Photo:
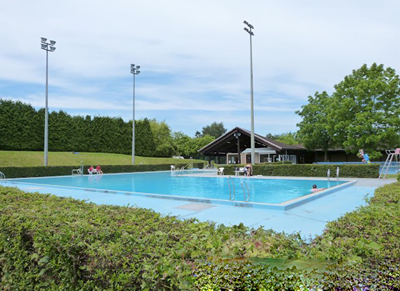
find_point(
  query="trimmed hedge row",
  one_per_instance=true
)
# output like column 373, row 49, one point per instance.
column 23, row 172
column 311, row 170
column 54, row 243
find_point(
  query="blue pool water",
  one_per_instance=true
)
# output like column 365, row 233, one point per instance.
column 272, row 191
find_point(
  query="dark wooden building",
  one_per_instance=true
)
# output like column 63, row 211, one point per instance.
column 234, row 147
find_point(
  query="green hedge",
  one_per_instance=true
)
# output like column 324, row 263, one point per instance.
column 53, row 243
column 23, row 172
column 311, row 170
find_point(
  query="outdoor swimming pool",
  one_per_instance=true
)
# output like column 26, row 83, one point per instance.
column 171, row 184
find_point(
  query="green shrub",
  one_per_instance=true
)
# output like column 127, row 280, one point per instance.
column 23, row 172
column 53, row 243
column 310, row 170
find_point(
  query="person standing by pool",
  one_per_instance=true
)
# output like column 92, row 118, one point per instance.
column 249, row 170
column 366, row 159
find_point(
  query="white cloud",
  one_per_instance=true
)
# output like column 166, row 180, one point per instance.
column 194, row 55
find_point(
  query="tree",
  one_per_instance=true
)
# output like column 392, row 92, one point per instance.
column 365, row 111
column 144, row 141
column 180, row 140
column 288, row 138
column 215, row 129
column 314, row 128
column 187, row 146
column 162, row 139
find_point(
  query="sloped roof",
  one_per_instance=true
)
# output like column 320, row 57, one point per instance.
column 227, row 143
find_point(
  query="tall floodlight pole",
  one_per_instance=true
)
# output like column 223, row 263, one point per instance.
column 135, row 71
column 250, row 32
column 237, row 135
column 48, row 47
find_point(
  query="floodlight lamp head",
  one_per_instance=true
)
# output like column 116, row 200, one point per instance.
column 43, row 39
column 52, row 42
column 52, row 48
column 132, row 66
column 138, row 67
column 44, row 46
column 137, row 72
column 248, row 24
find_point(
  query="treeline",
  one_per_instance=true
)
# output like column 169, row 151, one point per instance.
column 363, row 112
column 22, row 129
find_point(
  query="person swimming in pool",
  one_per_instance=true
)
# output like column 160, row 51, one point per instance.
column 316, row 189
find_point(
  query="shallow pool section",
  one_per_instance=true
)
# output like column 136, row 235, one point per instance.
column 256, row 191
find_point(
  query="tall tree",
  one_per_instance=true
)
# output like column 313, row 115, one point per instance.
column 162, row 138
column 214, row 129
column 314, row 128
column 188, row 147
column 288, row 138
column 365, row 111
column 180, row 140
column 144, row 141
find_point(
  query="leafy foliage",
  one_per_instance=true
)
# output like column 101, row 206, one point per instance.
column 311, row 170
column 23, row 172
column 47, row 242
column 214, row 129
column 362, row 113
column 366, row 110
column 287, row 138
column 314, row 128
column 189, row 147
column 162, row 138
column 22, row 129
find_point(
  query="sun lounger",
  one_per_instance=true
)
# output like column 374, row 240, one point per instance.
column 239, row 171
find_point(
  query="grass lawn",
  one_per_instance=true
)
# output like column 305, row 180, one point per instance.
column 33, row 159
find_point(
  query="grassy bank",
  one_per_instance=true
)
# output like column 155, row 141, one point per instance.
column 35, row 159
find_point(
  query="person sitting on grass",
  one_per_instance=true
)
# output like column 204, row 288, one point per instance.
column 98, row 170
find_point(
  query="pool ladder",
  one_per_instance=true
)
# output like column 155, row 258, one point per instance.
column 232, row 191
column 231, row 187
column 245, row 199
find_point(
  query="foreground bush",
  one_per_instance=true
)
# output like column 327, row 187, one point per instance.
column 53, row 243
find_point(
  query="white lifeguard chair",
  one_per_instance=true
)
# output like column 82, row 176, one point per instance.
column 392, row 156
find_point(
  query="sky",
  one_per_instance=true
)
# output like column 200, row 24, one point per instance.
column 194, row 56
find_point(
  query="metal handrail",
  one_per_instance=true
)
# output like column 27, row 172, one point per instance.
column 231, row 198
column 244, row 192
column 2, row 176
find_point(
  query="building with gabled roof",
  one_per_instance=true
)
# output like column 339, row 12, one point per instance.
column 227, row 146
column 225, row 149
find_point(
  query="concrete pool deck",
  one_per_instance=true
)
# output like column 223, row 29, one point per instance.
column 309, row 219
